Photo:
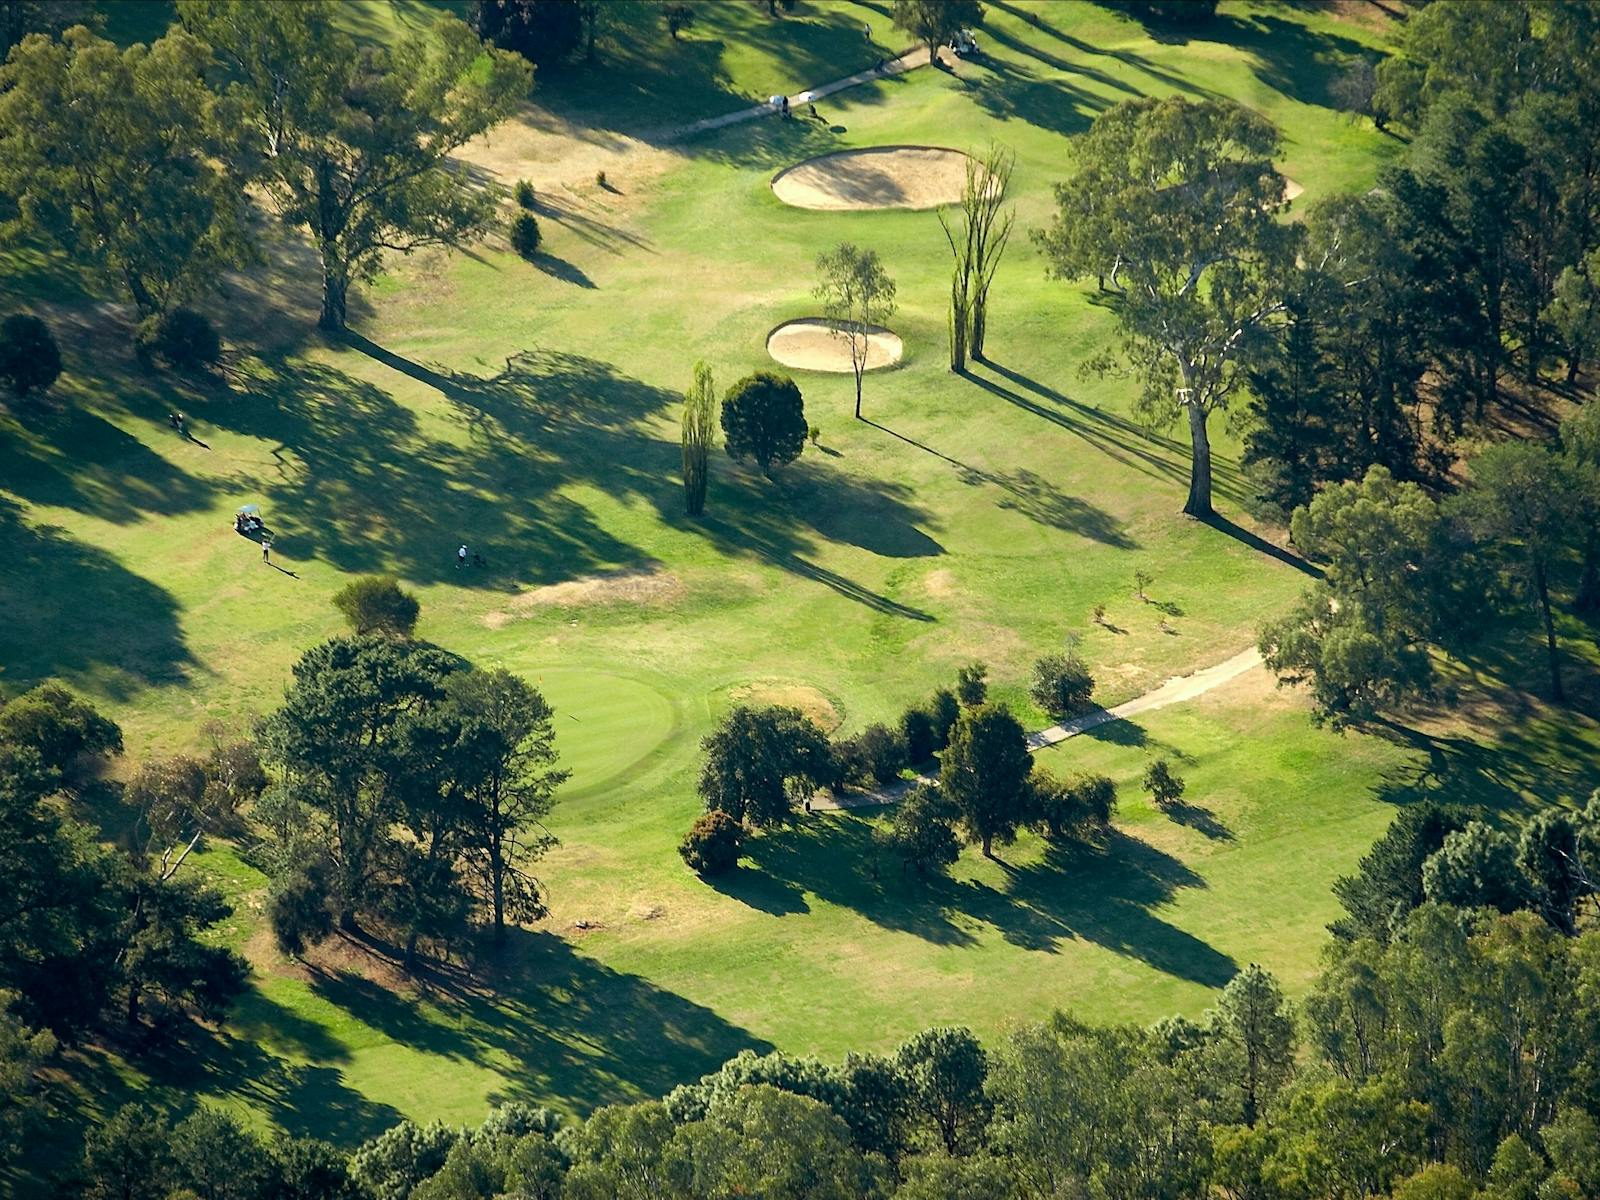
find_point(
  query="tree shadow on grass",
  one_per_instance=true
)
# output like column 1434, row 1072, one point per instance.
column 559, row 1027
column 71, row 610
column 1099, row 893
column 760, row 890
column 1289, row 58
column 1201, row 819
column 1119, row 438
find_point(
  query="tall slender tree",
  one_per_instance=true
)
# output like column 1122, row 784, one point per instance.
column 856, row 293
column 988, row 222
column 699, row 432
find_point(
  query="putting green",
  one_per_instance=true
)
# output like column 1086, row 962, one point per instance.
column 605, row 723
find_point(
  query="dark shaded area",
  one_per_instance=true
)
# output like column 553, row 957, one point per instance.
column 560, row 268
column 1287, row 56
column 564, row 1029
column 1102, row 893
column 1199, row 818
column 69, row 609
column 1261, row 546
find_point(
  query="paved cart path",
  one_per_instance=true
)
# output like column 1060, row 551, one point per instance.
column 1173, row 691
column 911, row 59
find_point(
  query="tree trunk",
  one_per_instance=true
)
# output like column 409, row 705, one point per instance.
column 959, row 317
column 334, row 290
column 498, row 872
column 1199, row 502
column 411, row 952
column 980, row 322
column 133, row 1005
column 988, row 843
column 1557, row 693
column 1573, row 363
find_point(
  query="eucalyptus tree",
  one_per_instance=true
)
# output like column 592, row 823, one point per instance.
column 857, row 293
column 1176, row 201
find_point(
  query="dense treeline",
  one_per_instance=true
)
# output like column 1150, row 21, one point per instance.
column 1444, row 1053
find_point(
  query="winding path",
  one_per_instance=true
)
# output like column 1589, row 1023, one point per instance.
column 1173, row 691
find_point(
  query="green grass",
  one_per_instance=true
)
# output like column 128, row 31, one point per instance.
column 530, row 410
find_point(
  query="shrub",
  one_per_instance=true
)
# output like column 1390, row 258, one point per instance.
column 921, row 831
column 876, row 755
column 30, row 360
column 918, row 732
column 298, row 909
column 1163, row 783
column 713, row 843
column 1074, row 807
column 759, row 761
column 1061, row 684
column 972, row 684
column 523, row 193
column 544, row 33
column 945, row 711
column 59, row 726
column 600, row 180
column 764, row 418
column 182, row 339
column 377, row 604
column 525, row 235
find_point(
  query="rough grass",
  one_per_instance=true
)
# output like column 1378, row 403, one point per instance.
column 530, row 410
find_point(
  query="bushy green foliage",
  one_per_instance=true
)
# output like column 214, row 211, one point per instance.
column 764, row 419
column 542, row 31
column 298, row 908
column 1079, row 806
column 677, row 18
column 30, row 360
column 378, row 604
column 934, row 22
column 918, row 733
column 523, row 194
column 984, row 772
column 525, row 235
column 1388, row 883
column 972, row 684
column 182, row 339
column 945, row 710
column 1163, row 783
column 921, row 831
column 698, row 434
column 759, row 761
column 59, row 726
column 1061, row 685
column 712, row 844
column 876, row 755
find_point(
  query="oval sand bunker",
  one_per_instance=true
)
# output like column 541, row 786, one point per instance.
column 811, row 344
column 882, row 177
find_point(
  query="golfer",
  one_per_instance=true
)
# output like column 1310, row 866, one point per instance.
column 266, row 549
column 461, row 557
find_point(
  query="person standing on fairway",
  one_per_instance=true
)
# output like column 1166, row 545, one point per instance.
column 461, row 556
column 266, row 549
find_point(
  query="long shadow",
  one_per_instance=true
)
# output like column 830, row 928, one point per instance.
column 1200, row 818
column 1101, row 893
column 1289, row 58
column 761, row 890
column 560, row 268
column 1033, row 496
column 560, row 1027
column 1261, row 546
column 69, row 609
column 1117, row 437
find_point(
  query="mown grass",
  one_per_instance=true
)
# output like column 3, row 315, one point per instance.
column 530, row 410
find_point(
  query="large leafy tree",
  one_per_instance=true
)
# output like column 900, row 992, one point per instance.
column 934, row 22
column 1523, row 502
column 1388, row 882
column 1176, row 200
column 856, row 293
column 341, row 740
column 1397, row 581
column 759, row 761
column 121, row 157
column 502, row 758
column 984, row 772
column 353, row 143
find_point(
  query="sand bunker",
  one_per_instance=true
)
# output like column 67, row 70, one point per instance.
column 882, row 177
column 812, row 344
column 1291, row 189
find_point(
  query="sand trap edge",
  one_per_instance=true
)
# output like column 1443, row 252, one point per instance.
column 860, row 150
column 892, row 341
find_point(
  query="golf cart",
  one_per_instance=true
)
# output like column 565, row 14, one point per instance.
column 963, row 42
column 247, row 520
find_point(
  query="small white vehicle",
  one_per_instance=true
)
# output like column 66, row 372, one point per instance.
column 963, row 42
